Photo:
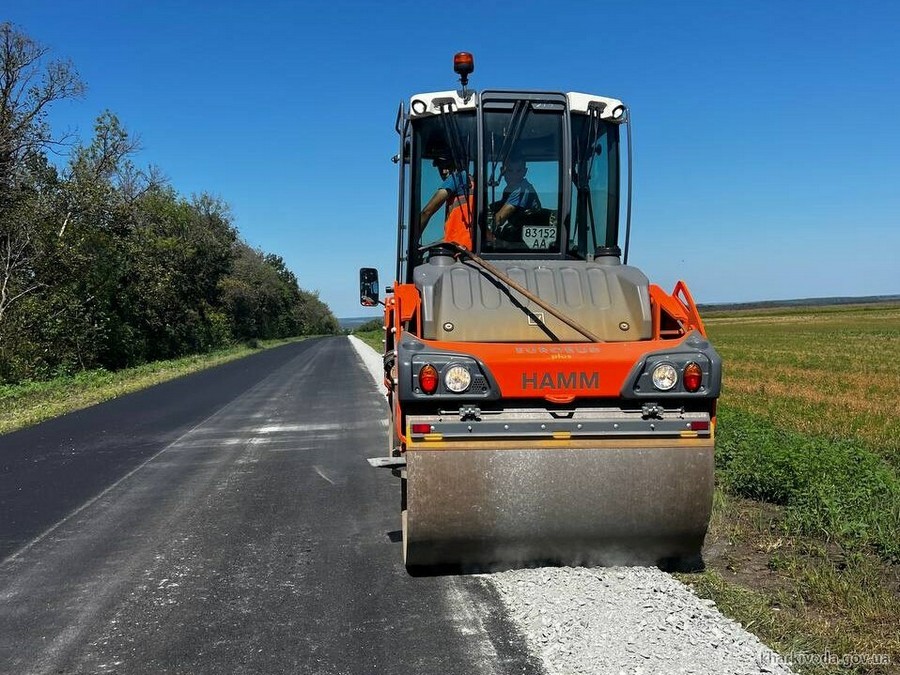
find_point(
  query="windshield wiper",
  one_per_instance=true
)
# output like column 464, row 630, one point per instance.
column 457, row 145
column 516, row 124
column 584, row 166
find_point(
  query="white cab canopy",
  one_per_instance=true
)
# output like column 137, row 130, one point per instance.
column 423, row 105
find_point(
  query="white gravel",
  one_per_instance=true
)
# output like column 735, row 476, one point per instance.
column 629, row 620
column 619, row 620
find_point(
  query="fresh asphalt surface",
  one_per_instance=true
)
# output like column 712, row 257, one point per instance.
column 228, row 522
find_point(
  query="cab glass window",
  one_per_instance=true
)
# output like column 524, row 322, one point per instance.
column 444, row 152
column 523, row 168
column 595, row 185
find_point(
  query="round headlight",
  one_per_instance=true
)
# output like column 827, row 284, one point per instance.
column 664, row 377
column 457, row 379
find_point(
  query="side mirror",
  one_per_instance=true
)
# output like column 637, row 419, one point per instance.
column 368, row 287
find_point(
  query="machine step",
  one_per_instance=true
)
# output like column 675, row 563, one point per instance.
column 387, row 462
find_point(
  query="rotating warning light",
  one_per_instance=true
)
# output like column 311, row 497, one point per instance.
column 463, row 65
column 428, row 379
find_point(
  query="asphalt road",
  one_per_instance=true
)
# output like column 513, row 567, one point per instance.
column 228, row 522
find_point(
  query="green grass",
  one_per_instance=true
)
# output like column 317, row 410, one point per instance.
column 29, row 403
column 836, row 489
column 792, row 624
column 373, row 338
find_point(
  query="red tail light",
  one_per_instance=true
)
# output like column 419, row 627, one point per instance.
column 428, row 379
column 421, row 428
column 693, row 376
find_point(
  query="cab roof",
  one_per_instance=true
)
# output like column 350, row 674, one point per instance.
column 427, row 104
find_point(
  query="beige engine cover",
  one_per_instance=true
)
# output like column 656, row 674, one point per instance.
column 463, row 303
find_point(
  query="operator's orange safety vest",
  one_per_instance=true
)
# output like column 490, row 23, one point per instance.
column 457, row 227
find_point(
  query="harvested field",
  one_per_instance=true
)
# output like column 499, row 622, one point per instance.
column 822, row 370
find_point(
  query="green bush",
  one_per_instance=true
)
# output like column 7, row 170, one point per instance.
column 369, row 326
column 219, row 330
column 832, row 487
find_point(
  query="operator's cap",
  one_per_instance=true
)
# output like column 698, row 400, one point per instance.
column 442, row 161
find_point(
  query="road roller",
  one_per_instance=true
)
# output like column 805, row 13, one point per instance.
column 548, row 403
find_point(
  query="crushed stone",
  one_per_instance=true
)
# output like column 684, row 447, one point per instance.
column 626, row 621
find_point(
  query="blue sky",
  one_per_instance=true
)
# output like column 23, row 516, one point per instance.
column 767, row 143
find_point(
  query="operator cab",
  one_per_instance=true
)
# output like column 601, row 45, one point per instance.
column 555, row 154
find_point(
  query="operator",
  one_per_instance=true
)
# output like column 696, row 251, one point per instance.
column 456, row 192
column 518, row 195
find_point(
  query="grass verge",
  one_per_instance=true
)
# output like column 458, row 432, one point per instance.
column 373, row 338
column 28, row 403
column 833, row 488
column 818, row 605
column 803, row 545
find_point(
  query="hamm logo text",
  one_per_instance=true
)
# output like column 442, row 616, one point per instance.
column 573, row 380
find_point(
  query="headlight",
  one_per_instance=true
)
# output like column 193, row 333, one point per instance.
column 457, row 379
column 664, row 377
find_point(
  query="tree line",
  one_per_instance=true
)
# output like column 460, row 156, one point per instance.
column 103, row 263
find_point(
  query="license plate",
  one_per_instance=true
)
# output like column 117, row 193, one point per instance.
column 539, row 237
